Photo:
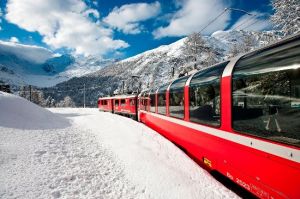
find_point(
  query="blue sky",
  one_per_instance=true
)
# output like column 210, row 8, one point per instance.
column 119, row 28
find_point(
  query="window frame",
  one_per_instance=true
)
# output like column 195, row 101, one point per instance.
column 223, row 65
column 183, row 97
column 117, row 103
column 153, row 93
column 165, row 86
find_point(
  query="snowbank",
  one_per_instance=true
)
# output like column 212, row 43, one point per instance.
column 17, row 112
column 150, row 161
column 100, row 155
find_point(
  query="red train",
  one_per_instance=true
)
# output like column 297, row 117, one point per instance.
column 240, row 118
column 123, row 104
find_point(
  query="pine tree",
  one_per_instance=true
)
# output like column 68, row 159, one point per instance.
column 287, row 16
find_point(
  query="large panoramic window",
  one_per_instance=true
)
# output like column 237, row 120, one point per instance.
column 176, row 105
column 161, row 99
column 205, row 96
column 266, row 94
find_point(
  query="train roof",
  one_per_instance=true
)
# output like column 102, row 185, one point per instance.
column 118, row 97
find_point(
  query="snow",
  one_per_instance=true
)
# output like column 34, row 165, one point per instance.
column 16, row 112
column 93, row 155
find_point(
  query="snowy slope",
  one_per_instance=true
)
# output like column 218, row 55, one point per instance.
column 16, row 112
column 92, row 154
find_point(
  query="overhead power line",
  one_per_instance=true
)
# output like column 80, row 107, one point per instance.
column 223, row 12
column 251, row 24
column 245, row 22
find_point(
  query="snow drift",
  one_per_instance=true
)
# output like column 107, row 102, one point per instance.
column 17, row 112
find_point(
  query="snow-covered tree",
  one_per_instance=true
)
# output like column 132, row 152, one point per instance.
column 287, row 16
column 37, row 97
column 248, row 44
column 193, row 46
column 67, row 102
column 211, row 58
column 234, row 51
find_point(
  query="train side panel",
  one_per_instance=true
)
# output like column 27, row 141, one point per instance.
column 253, row 169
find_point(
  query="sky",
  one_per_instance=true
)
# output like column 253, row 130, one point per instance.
column 120, row 29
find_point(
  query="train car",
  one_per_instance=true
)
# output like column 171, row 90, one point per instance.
column 125, row 105
column 106, row 104
column 240, row 118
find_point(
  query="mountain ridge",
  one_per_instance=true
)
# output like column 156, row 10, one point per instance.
column 152, row 68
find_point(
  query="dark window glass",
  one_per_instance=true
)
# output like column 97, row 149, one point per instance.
column 123, row 102
column 116, row 102
column 104, row 102
column 161, row 99
column 152, row 101
column 176, row 105
column 266, row 94
column 205, row 95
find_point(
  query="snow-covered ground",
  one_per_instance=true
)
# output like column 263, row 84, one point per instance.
column 84, row 153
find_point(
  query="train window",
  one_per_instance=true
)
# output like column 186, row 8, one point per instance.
column 132, row 102
column 176, row 104
column 161, row 99
column 123, row 102
column 145, row 100
column 266, row 94
column 205, row 95
column 104, row 102
column 116, row 102
column 152, row 101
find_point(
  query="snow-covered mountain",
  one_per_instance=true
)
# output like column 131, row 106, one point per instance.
column 153, row 68
column 25, row 64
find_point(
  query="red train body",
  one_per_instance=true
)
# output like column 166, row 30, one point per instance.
column 122, row 104
column 240, row 118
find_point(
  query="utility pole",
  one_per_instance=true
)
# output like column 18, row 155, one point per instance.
column 29, row 92
column 83, row 95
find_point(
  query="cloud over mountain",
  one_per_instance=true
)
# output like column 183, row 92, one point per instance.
column 127, row 17
column 192, row 16
column 35, row 54
column 64, row 24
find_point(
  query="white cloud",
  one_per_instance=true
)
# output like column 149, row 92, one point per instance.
column 256, row 22
column 14, row 40
column 35, row 54
column 64, row 24
column 192, row 16
column 127, row 18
